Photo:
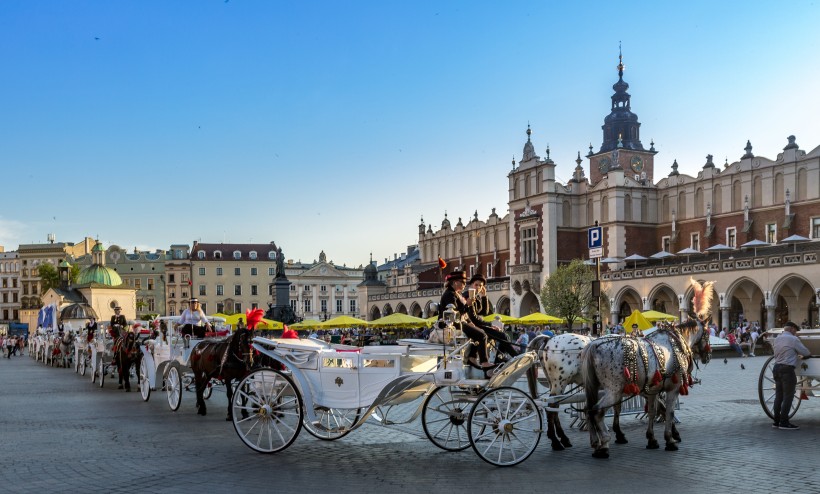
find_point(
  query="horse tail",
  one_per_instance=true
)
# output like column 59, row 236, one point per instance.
column 591, row 381
column 536, row 345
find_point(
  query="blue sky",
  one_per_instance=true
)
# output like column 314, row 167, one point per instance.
column 336, row 126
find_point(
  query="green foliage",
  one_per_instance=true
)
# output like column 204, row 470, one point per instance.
column 49, row 277
column 567, row 292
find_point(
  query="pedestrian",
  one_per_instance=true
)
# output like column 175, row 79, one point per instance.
column 787, row 348
column 636, row 332
column 10, row 342
column 753, row 336
column 733, row 344
column 722, row 334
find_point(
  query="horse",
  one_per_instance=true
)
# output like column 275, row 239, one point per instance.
column 226, row 359
column 126, row 353
column 65, row 347
column 560, row 359
column 625, row 366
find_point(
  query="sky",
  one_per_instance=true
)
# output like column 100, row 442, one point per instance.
column 338, row 126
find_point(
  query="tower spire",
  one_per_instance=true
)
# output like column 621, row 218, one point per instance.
column 621, row 65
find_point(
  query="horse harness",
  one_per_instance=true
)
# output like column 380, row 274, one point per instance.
column 234, row 351
column 681, row 353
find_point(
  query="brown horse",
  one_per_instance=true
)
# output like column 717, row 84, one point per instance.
column 127, row 353
column 225, row 359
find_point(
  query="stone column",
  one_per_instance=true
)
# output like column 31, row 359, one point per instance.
column 613, row 317
column 724, row 318
column 770, row 316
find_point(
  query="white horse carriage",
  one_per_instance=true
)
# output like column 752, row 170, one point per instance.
column 333, row 389
column 807, row 371
column 102, row 355
column 166, row 361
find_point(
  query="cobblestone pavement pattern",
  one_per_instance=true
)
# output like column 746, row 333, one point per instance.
column 60, row 433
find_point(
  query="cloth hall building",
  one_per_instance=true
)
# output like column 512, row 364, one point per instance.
column 713, row 214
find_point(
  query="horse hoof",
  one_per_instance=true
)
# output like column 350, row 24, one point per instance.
column 556, row 446
column 676, row 437
column 201, row 412
column 228, row 419
column 119, row 387
column 601, row 453
column 621, row 440
column 127, row 390
column 671, row 447
column 565, row 443
column 652, row 445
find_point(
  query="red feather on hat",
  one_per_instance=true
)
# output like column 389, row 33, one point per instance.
column 441, row 263
column 254, row 317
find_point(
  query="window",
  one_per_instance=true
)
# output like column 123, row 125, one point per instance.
column 529, row 255
column 270, row 289
column 237, row 254
column 237, row 271
column 254, row 271
column 151, row 305
column 150, row 283
column 489, row 270
column 293, row 288
column 237, row 307
column 339, row 307
column 202, row 290
column 814, row 230
column 201, row 271
column 307, row 306
column 254, row 306
column 254, row 290
column 307, row 288
column 171, row 278
column 220, row 307
column 138, row 284
column 695, row 241
column 472, row 270
column 352, row 306
column 173, row 294
column 506, row 268
column 200, row 254
column 252, row 254
column 272, row 254
column 271, row 271
column 323, row 304
column 184, row 278
column 237, row 289
column 219, row 271
column 731, row 237
column 771, row 233
column 217, row 254
column 323, row 288
column 293, row 305
column 666, row 243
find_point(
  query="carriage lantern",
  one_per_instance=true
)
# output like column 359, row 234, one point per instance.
column 449, row 315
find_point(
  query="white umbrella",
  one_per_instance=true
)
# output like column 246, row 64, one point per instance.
column 795, row 239
column 754, row 244
column 688, row 252
column 719, row 248
column 610, row 260
column 635, row 258
column 662, row 255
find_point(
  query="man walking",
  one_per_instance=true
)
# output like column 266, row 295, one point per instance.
column 787, row 347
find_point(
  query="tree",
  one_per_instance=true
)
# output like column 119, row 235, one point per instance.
column 568, row 292
column 49, row 277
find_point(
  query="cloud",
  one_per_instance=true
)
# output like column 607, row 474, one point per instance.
column 11, row 231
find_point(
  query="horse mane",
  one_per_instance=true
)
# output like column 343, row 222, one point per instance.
column 702, row 300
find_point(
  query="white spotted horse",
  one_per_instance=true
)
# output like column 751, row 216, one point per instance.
column 616, row 368
column 560, row 359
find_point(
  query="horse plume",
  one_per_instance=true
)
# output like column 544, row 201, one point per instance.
column 702, row 301
column 254, row 317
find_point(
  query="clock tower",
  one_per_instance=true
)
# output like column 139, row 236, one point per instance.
column 621, row 148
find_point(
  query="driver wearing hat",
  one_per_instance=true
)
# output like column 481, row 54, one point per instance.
column 636, row 332
column 118, row 322
column 193, row 320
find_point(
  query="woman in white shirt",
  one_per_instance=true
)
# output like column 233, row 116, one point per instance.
column 193, row 320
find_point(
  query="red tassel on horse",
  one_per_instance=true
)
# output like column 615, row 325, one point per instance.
column 684, row 390
column 675, row 378
column 691, row 380
column 657, row 378
column 803, row 395
column 627, row 375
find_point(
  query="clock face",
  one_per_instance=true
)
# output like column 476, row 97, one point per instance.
column 603, row 165
column 637, row 164
column 323, row 270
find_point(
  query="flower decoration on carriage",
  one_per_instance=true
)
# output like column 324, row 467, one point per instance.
column 254, row 317
column 289, row 333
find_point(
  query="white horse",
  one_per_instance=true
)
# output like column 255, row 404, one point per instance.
column 627, row 366
column 560, row 359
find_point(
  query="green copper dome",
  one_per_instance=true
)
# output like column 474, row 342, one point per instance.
column 97, row 273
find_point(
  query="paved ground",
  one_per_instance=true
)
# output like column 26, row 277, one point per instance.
column 60, row 433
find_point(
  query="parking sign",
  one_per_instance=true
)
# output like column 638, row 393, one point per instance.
column 595, row 242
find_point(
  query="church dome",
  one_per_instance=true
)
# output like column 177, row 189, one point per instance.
column 78, row 311
column 97, row 273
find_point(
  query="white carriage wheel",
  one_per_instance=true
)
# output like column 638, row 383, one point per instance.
column 82, row 363
column 504, row 426
column 173, row 387
column 76, row 361
column 94, row 368
column 444, row 418
column 335, row 423
column 102, row 370
column 267, row 411
column 766, row 390
column 145, row 383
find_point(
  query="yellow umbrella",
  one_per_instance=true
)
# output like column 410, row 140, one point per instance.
column 537, row 318
column 653, row 315
column 398, row 320
column 306, row 324
column 636, row 318
column 343, row 322
column 234, row 319
column 504, row 319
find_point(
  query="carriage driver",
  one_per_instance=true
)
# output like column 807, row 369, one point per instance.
column 118, row 323
column 90, row 329
column 193, row 320
column 454, row 284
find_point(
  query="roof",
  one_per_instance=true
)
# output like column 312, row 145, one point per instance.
column 227, row 250
column 97, row 273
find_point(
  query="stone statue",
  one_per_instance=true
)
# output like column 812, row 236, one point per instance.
column 280, row 263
